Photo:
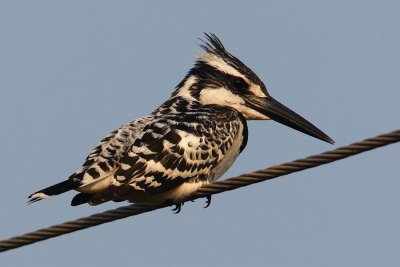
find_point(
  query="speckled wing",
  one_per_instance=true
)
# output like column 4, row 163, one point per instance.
column 103, row 160
column 179, row 147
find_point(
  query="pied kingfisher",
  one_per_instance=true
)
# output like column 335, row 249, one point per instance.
column 190, row 140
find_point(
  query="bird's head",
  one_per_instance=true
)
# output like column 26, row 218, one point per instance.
column 220, row 78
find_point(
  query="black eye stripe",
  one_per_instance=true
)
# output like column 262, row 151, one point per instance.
column 209, row 76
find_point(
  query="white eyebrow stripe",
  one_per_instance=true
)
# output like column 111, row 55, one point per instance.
column 221, row 65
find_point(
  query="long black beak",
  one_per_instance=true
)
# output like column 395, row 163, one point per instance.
column 280, row 113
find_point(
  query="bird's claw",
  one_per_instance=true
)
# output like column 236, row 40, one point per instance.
column 178, row 208
column 208, row 202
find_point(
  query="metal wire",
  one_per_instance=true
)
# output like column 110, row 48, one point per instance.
column 210, row 189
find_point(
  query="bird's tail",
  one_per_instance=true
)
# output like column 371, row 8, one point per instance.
column 54, row 190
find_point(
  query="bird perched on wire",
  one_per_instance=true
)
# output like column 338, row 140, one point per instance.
column 190, row 140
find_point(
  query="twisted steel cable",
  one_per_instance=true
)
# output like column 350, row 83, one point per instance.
column 210, row 189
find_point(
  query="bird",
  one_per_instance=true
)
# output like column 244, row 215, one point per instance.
column 191, row 140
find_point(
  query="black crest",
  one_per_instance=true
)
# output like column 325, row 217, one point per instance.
column 214, row 46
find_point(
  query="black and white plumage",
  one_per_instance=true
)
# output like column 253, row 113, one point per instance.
column 191, row 139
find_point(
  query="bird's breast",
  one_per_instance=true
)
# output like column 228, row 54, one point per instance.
column 230, row 156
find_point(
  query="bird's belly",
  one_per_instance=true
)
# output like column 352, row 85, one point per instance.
column 176, row 195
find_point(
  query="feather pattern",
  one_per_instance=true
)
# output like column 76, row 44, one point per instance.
column 184, row 143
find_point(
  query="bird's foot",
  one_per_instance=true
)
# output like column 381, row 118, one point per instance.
column 208, row 202
column 177, row 208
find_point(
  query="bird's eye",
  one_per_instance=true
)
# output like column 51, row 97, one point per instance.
column 239, row 84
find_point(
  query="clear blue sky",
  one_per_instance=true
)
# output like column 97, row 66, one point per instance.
column 73, row 71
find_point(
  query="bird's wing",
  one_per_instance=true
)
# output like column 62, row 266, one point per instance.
column 103, row 160
column 178, row 147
